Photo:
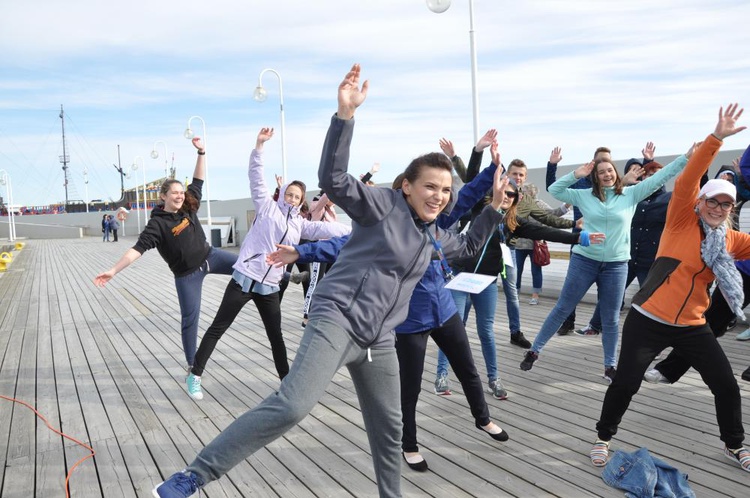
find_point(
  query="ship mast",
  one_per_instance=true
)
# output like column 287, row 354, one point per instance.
column 64, row 159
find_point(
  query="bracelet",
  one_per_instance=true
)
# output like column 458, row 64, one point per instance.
column 201, row 153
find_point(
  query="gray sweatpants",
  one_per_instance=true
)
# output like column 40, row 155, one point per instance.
column 325, row 348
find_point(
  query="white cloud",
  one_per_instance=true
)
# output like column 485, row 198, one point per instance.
column 578, row 74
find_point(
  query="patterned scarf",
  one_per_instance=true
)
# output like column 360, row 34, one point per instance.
column 728, row 278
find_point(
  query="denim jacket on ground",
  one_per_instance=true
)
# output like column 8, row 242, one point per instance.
column 641, row 475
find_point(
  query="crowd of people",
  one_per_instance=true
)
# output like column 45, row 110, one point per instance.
column 380, row 302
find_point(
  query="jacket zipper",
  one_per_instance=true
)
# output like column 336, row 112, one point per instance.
column 398, row 294
column 692, row 288
column 288, row 215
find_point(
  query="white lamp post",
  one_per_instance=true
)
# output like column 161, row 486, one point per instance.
column 86, row 183
column 260, row 95
column 145, row 198
column 5, row 180
column 155, row 155
column 440, row 6
column 189, row 135
column 134, row 168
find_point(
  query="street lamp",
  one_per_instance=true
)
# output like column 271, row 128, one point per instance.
column 86, row 183
column 440, row 6
column 189, row 135
column 134, row 168
column 5, row 180
column 260, row 95
column 145, row 198
column 155, row 155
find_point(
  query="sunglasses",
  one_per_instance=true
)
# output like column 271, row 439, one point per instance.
column 712, row 203
column 511, row 194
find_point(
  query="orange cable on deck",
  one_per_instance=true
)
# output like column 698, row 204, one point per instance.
column 67, row 477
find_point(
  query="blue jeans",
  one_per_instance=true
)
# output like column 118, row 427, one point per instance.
column 325, row 347
column 536, row 270
column 641, row 274
column 189, row 289
column 583, row 272
column 485, row 304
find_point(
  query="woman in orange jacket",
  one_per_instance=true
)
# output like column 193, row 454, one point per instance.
column 696, row 248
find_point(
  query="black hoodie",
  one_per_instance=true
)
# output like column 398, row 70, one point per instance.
column 179, row 237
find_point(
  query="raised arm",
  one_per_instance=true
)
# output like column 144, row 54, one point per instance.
column 363, row 204
column 554, row 158
column 126, row 260
column 200, row 164
column 701, row 155
column 258, row 190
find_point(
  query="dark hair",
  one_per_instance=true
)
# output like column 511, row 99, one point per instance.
column 517, row 163
column 398, row 181
column 300, row 185
column 431, row 160
column 189, row 205
column 596, row 188
column 602, row 149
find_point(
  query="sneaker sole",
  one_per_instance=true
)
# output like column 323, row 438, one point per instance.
column 443, row 393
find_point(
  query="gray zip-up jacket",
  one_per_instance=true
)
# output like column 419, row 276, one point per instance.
column 367, row 291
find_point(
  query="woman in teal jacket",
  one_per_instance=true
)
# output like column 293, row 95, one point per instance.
column 607, row 207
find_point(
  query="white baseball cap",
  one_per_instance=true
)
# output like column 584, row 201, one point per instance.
column 715, row 187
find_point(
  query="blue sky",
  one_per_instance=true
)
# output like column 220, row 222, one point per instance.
column 578, row 74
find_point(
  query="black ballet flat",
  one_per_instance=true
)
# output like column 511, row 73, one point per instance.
column 500, row 436
column 419, row 466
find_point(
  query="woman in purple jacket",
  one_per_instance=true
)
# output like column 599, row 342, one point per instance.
column 276, row 222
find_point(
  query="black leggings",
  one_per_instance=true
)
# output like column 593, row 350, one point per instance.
column 410, row 348
column 642, row 339
column 231, row 304
column 718, row 316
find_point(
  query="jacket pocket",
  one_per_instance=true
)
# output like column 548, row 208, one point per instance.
column 660, row 271
column 357, row 292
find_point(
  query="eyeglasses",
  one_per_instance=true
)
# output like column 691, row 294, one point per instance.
column 725, row 206
column 511, row 194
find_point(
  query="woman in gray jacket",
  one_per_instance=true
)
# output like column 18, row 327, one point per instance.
column 356, row 307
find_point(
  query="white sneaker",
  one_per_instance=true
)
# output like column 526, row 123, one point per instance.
column 744, row 336
column 655, row 377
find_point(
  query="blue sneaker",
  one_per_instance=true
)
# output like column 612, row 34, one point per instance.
column 194, row 387
column 180, row 485
column 744, row 336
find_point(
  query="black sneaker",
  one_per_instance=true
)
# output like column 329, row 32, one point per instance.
column 528, row 360
column 609, row 374
column 565, row 329
column 517, row 339
column 746, row 374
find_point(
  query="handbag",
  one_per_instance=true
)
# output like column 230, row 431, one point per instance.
column 540, row 255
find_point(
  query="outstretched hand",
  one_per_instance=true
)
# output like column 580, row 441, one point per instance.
column 555, row 156
column 486, row 140
column 104, row 277
column 727, row 124
column 351, row 95
column 285, row 255
column 447, row 147
column 264, row 135
column 499, row 186
column 495, row 154
column 584, row 170
column 634, row 173
column 198, row 144
column 648, row 151
column 596, row 238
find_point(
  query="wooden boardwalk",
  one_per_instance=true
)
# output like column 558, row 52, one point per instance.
column 106, row 366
